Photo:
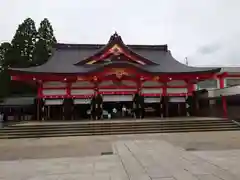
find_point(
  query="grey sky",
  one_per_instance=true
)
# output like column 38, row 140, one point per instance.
column 207, row 31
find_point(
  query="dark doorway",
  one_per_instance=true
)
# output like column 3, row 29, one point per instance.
column 176, row 109
column 54, row 112
column 152, row 110
column 117, row 109
column 81, row 111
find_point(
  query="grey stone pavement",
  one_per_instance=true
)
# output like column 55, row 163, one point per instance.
column 184, row 156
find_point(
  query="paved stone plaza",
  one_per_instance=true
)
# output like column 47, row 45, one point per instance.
column 184, row 156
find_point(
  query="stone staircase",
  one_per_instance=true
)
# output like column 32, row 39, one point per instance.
column 61, row 129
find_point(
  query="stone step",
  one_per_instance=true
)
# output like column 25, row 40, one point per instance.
column 109, row 124
column 118, row 129
column 110, row 128
column 127, row 127
column 146, row 131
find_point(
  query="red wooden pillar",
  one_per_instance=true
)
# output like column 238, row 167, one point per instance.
column 139, row 86
column 162, row 103
column 165, row 100
column 96, row 88
column 191, row 88
column 40, row 89
column 164, row 89
column 39, row 97
column 69, row 89
column 224, row 102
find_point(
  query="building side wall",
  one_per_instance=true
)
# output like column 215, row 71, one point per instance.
column 214, row 108
column 215, row 83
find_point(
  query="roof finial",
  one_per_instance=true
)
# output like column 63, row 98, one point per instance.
column 186, row 61
column 115, row 34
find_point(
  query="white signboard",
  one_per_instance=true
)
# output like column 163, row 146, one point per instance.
column 82, row 101
column 177, row 99
column 50, row 102
column 152, row 99
column 117, row 98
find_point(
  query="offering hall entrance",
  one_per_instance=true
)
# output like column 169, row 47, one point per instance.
column 177, row 107
column 117, row 106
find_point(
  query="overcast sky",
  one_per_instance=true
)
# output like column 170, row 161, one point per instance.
column 206, row 31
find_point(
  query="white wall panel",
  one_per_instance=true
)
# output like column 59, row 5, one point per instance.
column 151, row 90
column 82, row 101
column 116, row 90
column 53, row 92
column 177, row 99
column 82, row 84
column 228, row 91
column 128, row 83
column 52, row 84
column 152, row 99
column 106, row 83
column 234, row 81
column 117, row 98
column 151, row 83
column 53, row 102
column 176, row 90
column 176, row 83
column 82, row 91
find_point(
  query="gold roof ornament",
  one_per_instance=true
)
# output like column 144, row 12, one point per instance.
column 119, row 72
column 79, row 78
column 91, row 62
column 95, row 78
column 116, row 50
column 156, row 78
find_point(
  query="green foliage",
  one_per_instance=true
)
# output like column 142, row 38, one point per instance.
column 44, row 45
column 4, row 76
column 5, row 82
column 27, row 48
column 23, row 44
column 4, row 52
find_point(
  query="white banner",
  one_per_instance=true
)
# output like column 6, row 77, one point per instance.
column 152, row 99
column 50, row 102
column 117, row 98
column 82, row 101
column 177, row 99
column 54, row 92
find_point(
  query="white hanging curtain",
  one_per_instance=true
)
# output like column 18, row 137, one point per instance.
column 117, row 98
column 50, row 102
column 82, row 101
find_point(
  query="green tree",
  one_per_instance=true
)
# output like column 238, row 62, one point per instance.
column 23, row 44
column 5, row 80
column 4, row 53
column 4, row 76
column 46, row 41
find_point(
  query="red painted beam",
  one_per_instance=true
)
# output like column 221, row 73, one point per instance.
column 117, row 87
column 232, row 75
column 107, row 93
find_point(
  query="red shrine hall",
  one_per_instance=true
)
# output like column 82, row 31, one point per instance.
column 75, row 72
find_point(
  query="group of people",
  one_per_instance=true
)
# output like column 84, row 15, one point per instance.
column 137, row 111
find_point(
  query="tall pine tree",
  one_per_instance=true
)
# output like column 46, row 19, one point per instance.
column 4, row 52
column 23, row 44
column 4, row 63
column 45, row 43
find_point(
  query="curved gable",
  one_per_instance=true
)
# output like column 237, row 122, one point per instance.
column 115, row 47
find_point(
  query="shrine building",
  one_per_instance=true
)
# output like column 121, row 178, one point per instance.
column 75, row 72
